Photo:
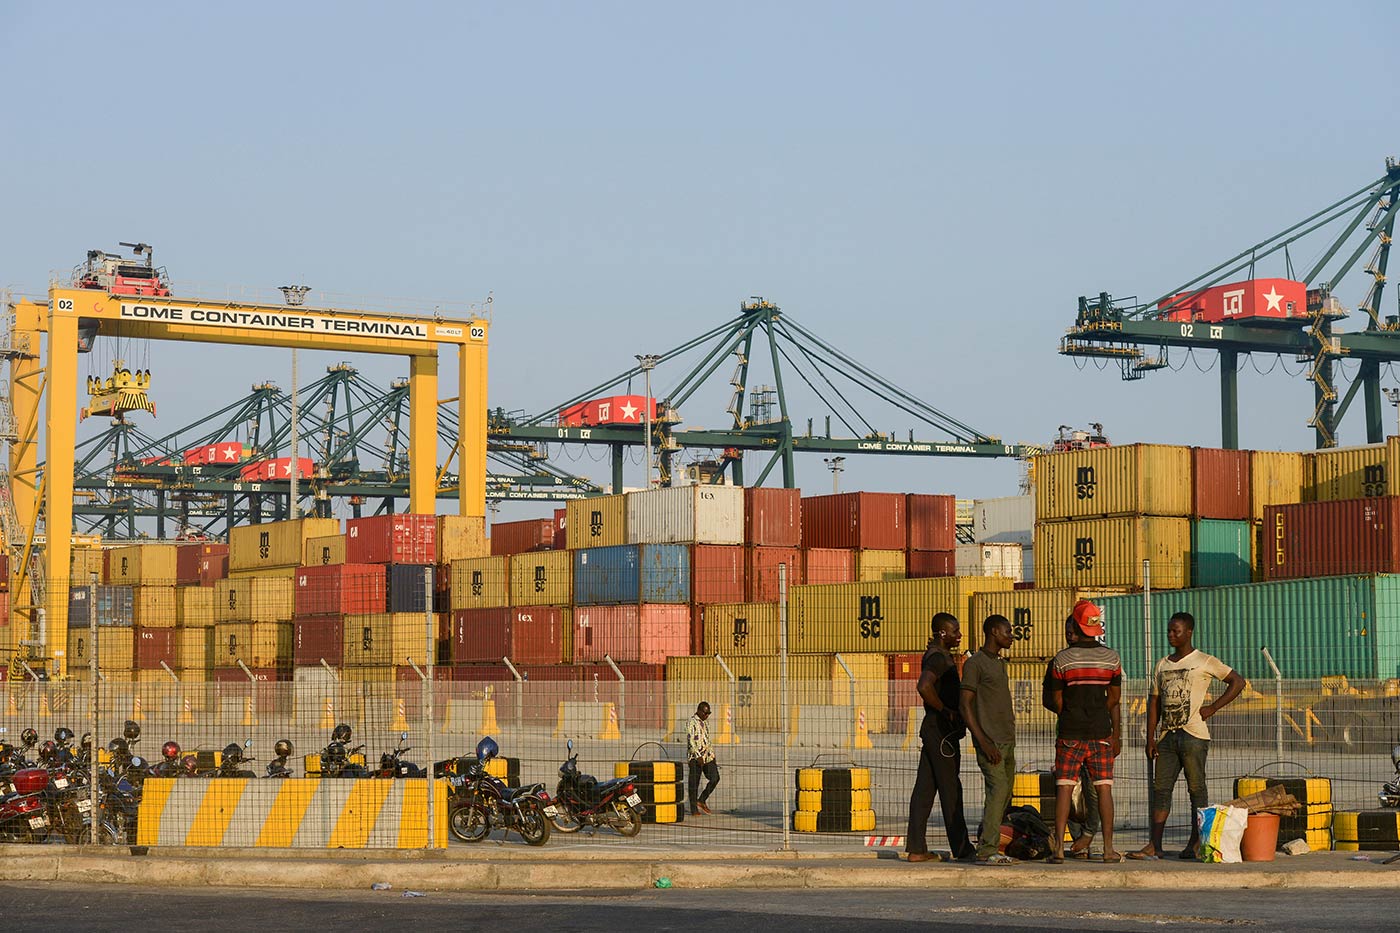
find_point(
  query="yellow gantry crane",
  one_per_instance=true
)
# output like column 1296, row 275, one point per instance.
column 45, row 341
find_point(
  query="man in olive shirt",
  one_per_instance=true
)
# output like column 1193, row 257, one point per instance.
column 986, row 708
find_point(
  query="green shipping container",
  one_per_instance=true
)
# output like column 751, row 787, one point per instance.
column 1220, row 552
column 1313, row 628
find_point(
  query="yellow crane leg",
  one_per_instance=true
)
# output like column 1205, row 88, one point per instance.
column 62, row 430
column 471, row 430
column 422, row 434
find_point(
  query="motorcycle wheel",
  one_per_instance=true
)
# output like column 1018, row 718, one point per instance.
column 627, row 821
column 564, row 818
column 469, row 824
column 534, row 828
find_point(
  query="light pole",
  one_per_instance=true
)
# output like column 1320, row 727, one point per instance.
column 294, row 295
column 1394, row 396
column 834, row 464
column 647, row 362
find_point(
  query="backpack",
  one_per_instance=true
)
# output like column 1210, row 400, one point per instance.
column 1025, row 835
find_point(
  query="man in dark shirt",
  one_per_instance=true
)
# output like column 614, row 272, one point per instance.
column 939, row 756
column 1082, row 687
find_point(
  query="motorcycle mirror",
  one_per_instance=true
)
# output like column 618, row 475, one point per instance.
column 569, row 744
column 247, row 743
column 403, row 736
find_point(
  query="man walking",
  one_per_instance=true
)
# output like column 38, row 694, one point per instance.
column 701, row 758
column 1082, row 687
column 986, row 708
column 939, row 756
column 1177, row 704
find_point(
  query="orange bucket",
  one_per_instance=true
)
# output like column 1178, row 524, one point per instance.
column 1260, row 839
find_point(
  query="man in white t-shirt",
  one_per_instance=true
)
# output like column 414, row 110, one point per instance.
column 1178, row 738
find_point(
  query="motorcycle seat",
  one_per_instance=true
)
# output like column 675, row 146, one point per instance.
column 605, row 787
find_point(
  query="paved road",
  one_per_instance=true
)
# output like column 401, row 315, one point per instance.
column 38, row 907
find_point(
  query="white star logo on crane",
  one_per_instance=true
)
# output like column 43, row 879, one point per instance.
column 287, row 468
column 629, row 412
column 230, row 452
column 1273, row 298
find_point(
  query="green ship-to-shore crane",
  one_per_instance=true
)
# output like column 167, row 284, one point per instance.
column 1118, row 329
column 818, row 364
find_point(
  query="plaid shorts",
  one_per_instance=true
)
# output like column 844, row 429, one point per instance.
column 1075, row 755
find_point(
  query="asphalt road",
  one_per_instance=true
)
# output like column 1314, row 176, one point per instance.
column 39, row 907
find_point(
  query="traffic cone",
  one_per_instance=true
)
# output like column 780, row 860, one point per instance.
column 328, row 716
column 400, row 723
column 862, row 732
column 136, row 714
column 44, row 711
column 248, row 718
column 725, row 735
column 11, row 708
column 488, row 719
column 610, row 730
column 186, row 712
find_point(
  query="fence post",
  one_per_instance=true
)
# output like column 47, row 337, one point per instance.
column 1278, row 703
column 519, row 696
column 430, row 634
column 94, row 786
column 621, row 692
column 783, row 778
column 851, row 693
column 733, row 700
column 1147, row 671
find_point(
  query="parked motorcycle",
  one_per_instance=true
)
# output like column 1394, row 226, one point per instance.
column 582, row 800
column 24, row 810
column 277, row 767
column 392, row 765
column 480, row 802
column 1390, row 791
column 335, row 757
column 230, row 759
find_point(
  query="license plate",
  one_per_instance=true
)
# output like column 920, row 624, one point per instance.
column 84, row 806
column 38, row 822
column 60, row 783
column 551, row 811
column 633, row 800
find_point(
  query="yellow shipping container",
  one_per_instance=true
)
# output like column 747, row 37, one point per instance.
column 542, row 578
column 275, row 544
column 736, row 629
column 256, row 644
column 385, row 639
column 324, row 551
column 480, row 583
column 267, row 573
column 194, row 606
column 755, row 696
column 880, row 565
column 1275, row 479
column 872, row 688
column 1110, row 552
column 461, row 537
column 116, row 649
column 194, row 648
column 152, row 564
column 153, row 606
column 1135, row 479
column 1350, row 473
column 85, row 562
column 1026, row 679
column 597, row 522
column 194, row 689
column 253, row 599
column 1037, row 618
column 892, row 616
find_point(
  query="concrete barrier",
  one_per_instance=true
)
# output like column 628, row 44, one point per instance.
column 594, row 720
column 470, row 717
column 826, row 726
column 721, row 724
column 307, row 813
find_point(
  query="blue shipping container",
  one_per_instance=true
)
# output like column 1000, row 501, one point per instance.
column 632, row 573
column 115, row 606
column 1220, row 552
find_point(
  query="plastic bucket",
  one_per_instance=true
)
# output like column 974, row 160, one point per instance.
column 1260, row 838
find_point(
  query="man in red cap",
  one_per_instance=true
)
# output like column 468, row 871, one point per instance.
column 1082, row 686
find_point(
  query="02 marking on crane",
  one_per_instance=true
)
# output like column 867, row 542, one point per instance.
column 1216, row 332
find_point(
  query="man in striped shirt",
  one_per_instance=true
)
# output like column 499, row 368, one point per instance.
column 1082, row 687
column 701, row 758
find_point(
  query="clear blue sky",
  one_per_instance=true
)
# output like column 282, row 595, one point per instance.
column 929, row 186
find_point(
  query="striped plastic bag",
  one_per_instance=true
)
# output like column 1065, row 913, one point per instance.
column 1221, row 830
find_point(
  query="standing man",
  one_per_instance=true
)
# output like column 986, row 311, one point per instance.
column 1178, row 705
column 986, row 708
column 701, row 758
column 1082, row 687
column 939, row 756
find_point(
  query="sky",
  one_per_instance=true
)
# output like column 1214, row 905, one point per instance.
column 928, row 186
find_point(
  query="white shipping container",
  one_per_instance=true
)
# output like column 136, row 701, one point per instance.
column 989, row 560
column 1027, row 564
column 686, row 515
column 1008, row 520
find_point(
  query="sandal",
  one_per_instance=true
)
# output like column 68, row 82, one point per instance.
column 1081, row 854
column 1144, row 857
column 1187, row 855
column 1110, row 858
column 1055, row 858
column 997, row 859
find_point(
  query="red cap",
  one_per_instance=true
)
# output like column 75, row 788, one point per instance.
column 1089, row 618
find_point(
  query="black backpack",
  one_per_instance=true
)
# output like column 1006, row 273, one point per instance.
column 1030, row 835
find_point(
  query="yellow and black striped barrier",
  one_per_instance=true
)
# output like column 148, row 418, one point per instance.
column 833, row 800
column 660, row 784
column 310, row 813
column 1366, row 830
column 1314, row 822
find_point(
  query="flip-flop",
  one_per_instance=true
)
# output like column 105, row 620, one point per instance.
column 1186, row 855
column 1078, row 854
column 1144, row 857
column 1111, row 858
column 1054, row 859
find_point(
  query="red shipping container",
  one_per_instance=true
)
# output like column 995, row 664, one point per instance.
column 904, row 671
column 391, row 539
column 1324, row 539
column 212, row 569
column 152, row 646
column 192, row 562
column 4, row 609
column 649, row 633
column 223, row 453
column 561, row 529
column 4, row 572
column 317, row 638
column 932, row 522
column 761, row 572
column 339, row 589
column 535, row 534
column 613, row 409
column 526, row 635
column 920, row 564
column 828, row 565
column 772, row 517
column 1220, row 483
column 717, row 573
column 1281, row 299
column 858, row 520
